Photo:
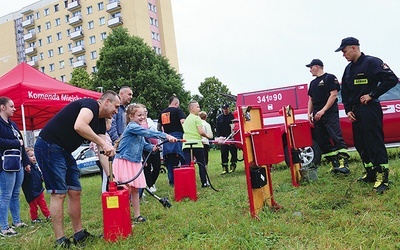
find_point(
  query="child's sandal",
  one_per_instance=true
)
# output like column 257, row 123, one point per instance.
column 139, row 219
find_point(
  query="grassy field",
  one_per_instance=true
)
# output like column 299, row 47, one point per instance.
column 335, row 212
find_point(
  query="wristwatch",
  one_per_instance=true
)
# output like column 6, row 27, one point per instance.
column 372, row 95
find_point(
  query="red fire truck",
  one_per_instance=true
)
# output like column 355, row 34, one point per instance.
column 272, row 100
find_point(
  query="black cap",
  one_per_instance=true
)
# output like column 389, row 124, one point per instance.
column 225, row 106
column 315, row 62
column 347, row 42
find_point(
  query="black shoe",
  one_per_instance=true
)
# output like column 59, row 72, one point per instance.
column 66, row 243
column 205, row 185
column 86, row 237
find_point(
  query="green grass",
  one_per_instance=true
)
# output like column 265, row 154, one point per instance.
column 335, row 212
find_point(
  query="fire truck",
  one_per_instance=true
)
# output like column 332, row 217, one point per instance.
column 272, row 101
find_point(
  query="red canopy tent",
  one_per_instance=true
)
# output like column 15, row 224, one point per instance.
column 37, row 96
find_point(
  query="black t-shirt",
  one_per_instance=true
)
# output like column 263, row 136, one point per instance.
column 320, row 89
column 60, row 129
column 170, row 119
column 224, row 124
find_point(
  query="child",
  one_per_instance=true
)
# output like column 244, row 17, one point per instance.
column 128, row 160
column 33, row 189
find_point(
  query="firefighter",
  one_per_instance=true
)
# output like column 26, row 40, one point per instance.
column 323, row 113
column 364, row 80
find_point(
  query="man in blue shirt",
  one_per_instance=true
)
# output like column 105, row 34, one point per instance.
column 118, row 123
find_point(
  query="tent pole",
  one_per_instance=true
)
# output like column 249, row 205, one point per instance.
column 24, row 124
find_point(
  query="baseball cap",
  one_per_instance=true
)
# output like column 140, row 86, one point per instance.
column 315, row 62
column 225, row 106
column 347, row 42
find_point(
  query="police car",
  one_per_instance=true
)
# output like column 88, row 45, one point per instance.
column 86, row 160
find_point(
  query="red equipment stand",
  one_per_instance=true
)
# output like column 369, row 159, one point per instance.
column 261, row 148
column 298, row 135
column 116, row 212
column 185, row 179
column 185, row 183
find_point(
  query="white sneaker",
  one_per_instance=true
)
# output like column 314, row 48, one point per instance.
column 8, row 232
column 153, row 188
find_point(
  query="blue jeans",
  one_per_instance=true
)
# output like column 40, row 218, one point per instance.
column 60, row 172
column 10, row 186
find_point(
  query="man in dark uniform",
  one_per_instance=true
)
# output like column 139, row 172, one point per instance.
column 364, row 80
column 224, row 129
column 323, row 112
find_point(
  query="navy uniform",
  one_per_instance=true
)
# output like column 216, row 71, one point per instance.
column 327, row 132
column 368, row 75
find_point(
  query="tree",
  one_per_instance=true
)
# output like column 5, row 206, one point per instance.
column 212, row 99
column 80, row 78
column 127, row 61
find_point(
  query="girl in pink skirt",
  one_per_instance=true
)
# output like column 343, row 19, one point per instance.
column 128, row 160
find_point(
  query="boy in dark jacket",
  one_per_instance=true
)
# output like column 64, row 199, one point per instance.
column 33, row 189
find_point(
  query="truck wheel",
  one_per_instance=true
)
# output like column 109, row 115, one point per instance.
column 309, row 155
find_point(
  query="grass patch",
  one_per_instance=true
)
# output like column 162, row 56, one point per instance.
column 334, row 212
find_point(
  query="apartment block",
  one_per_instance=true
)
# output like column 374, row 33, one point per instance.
column 57, row 36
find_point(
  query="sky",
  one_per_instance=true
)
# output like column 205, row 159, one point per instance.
column 262, row 44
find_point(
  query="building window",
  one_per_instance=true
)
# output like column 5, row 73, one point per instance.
column 51, row 65
column 68, row 32
column 71, row 61
column 60, row 50
column 67, row 18
column 78, row 28
column 90, row 25
column 100, row 6
column 62, row 78
column 40, row 42
column 69, row 46
column 41, row 56
column 46, row 12
column 152, row 8
column 93, row 55
column 56, row 8
column 92, row 39
column 39, row 28
column 94, row 69
column 48, row 25
column 62, row 64
column 89, row 10
column 59, row 36
column 42, row 69
column 103, row 36
column 102, row 21
column 80, row 42
column 49, row 39
column 66, row 4
column 37, row 15
column 58, row 21
column 51, row 53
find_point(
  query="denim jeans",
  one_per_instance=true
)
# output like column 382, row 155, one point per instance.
column 60, row 172
column 10, row 186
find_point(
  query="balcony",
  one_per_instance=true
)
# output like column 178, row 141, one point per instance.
column 111, row 7
column 75, row 5
column 78, row 49
column 79, row 63
column 75, row 20
column 28, row 23
column 29, row 36
column 76, row 34
column 30, row 50
column 113, row 22
column 33, row 63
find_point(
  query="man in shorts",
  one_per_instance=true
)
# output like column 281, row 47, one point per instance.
column 80, row 120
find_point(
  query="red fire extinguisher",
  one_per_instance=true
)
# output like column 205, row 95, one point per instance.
column 116, row 211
